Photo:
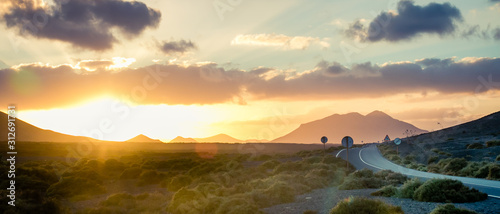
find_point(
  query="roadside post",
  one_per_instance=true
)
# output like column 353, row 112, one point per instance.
column 347, row 142
column 324, row 139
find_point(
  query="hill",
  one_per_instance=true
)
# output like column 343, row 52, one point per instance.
column 180, row 139
column 220, row 138
column 370, row 128
column 467, row 140
column 142, row 139
column 30, row 133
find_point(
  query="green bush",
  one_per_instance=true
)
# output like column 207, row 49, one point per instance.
column 365, row 178
column 482, row 172
column 75, row 186
column 131, row 173
column 149, row 177
column 280, row 193
column 450, row 209
column 178, row 182
column 123, row 200
column 114, row 165
column 447, row 191
column 492, row 143
column 494, row 172
column 475, row 146
column 237, row 206
column 407, row 190
column 453, row 165
column 432, row 159
column 186, row 201
column 364, row 206
column 288, row 167
column 386, row 191
column 310, row 212
column 498, row 158
column 270, row 164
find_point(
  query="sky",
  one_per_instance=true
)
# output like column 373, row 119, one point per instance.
column 250, row 69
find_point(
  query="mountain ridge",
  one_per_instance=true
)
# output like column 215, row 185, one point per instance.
column 369, row 128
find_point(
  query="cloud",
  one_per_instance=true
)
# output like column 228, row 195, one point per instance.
column 103, row 65
column 278, row 40
column 410, row 21
column 85, row 24
column 445, row 76
column 176, row 47
column 43, row 86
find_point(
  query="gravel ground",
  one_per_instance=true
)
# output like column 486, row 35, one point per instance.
column 322, row 200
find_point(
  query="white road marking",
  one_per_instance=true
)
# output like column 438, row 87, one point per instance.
column 339, row 153
column 427, row 176
column 366, row 162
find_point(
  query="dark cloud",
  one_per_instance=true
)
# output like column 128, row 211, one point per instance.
column 42, row 86
column 446, row 76
column 330, row 69
column 410, row 21
column 176, row 47
column 83, row 23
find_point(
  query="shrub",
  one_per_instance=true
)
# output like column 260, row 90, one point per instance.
column 453, row 165
column 364, row 206
column 492, row 143
column 74, row 186
column 178, row 182
column 270, row 164
column 386, row 191
column 120, row 199
column 287, row 167
column 280, row 193
column 237, row 206
column 494, row 172
column 408, row 188
column 114, row 165
column 131, row 173
column 450, row 209
column 482, row 172
column 475, row 146
column 149, row 177
column 310, row 212
column 432, row 159
column 498, row 158
column 447, row 190
column 185, row 201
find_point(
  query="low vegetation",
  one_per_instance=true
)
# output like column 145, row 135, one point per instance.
column 434, row 190
column 493, row 143
column 365, row 178
column 361, row 205
column 450, row 209
column 442, row 163
column 173, row 182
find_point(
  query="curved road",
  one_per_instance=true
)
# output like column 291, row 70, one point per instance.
column 370, row 157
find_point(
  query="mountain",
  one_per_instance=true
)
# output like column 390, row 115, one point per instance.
column 27, row 132
column 455, row 141
column 180, row 139
column 142, row 139
column 220, row 138
column 370, row 128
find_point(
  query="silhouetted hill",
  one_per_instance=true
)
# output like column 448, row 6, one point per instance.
column 220, row 138
column 180, row 139
column 28, row 132
column 454, row 141
column 143, row 139
column 370, row 128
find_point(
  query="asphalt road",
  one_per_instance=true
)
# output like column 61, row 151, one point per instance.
column 371, row 158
